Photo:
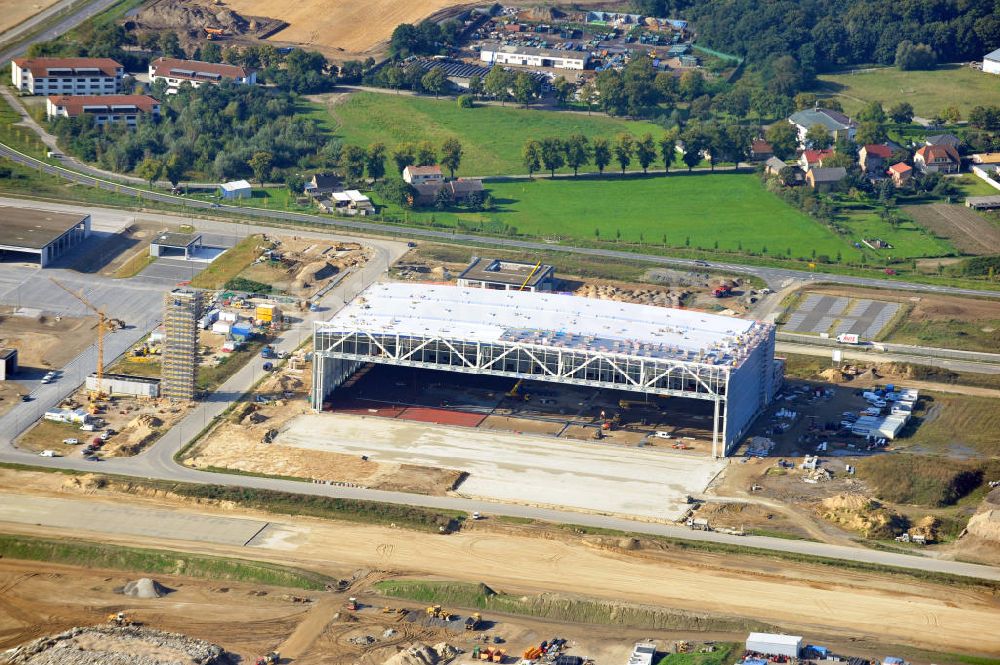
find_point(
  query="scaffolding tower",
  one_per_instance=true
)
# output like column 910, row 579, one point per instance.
column 179, row 363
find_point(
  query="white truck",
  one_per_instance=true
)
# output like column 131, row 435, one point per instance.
column 849, row 338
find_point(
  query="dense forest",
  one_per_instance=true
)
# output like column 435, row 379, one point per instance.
column 827, row 34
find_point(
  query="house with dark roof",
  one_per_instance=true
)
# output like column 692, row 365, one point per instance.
column 937, row 159
column 760, row 150
column 943, row 139
column 841, row 127
column 323, row 183
column 462, row 188
column 900, row 173
column 872, row 157
column 823, row 180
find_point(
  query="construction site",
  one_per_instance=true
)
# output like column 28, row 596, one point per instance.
column 346, row 595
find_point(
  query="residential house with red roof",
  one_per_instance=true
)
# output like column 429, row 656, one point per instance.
column 937, row 159
column 813, row 158
column 900, row 173
column 872, row 157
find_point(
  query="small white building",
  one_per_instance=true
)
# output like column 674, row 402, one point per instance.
column 496, row 53
column 991, row 62
column 237, row 189
column 773, row 644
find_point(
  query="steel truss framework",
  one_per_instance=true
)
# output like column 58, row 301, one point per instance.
column 597, row 369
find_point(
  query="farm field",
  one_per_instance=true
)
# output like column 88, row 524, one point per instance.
column 967, row 230
column 13, row 12
column 344, row 30
column 696, row 210
column 929, row 92
column 492, row 137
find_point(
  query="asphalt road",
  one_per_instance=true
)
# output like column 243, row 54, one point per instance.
column 9, row 39
column 809, row 349
column 776, row 278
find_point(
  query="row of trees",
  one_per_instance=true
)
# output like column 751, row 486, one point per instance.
column 700, row 141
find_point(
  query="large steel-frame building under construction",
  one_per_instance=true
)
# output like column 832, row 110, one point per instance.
column 557, row 338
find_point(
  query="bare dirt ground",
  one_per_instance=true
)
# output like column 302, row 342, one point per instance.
column 13, row 12
column 820, row 601
column 238, row 443
column 113, row 252
column 10, row 394
column 45, row 342
column 967, row 230
column 306, row 265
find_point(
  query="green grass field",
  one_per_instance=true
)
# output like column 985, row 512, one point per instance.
column 929, row 92
column 164, row 562
column 730, row 209
column 491, row 136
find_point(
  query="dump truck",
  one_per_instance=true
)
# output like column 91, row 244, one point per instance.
column 722, row 291
column 273, row 658
column 352, row 604
column 473, row 622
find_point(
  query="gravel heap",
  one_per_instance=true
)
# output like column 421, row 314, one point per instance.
column 111, row 645
column 144, row 588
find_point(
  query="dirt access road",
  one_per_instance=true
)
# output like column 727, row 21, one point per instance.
column 812, row 599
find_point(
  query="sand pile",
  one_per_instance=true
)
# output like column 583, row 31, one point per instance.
column 986, row 525
column 657, row 297
column 144, row 588
column 421, row 654
column 862, row 514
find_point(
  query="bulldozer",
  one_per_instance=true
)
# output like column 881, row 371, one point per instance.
column 438, row 613
column 120, row 619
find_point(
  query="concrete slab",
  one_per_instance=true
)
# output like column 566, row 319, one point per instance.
column 132, row 520
column 520, row 468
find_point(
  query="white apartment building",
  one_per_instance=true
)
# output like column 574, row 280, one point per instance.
column 177, row 72
column 104, row 108
column 67, row 76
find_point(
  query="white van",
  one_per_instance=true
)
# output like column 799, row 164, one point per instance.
column 661, row 434
column 47, row 453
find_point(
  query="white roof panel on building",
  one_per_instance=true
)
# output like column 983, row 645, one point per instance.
column 557, row 320
column 235, row 185
column 774, row 638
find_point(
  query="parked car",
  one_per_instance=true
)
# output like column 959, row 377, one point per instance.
column 26, row 398
column 71, row 442
column 47, row 453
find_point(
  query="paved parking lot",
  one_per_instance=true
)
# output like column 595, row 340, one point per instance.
column 168, row 271
column 521, row 468
column 836, row 315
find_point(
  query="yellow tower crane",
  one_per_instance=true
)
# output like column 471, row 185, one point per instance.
column 101, row 329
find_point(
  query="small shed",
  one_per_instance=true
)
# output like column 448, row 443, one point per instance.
column 175, row 244
column 772, row 644
column 237, row 189
column 8, row 363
